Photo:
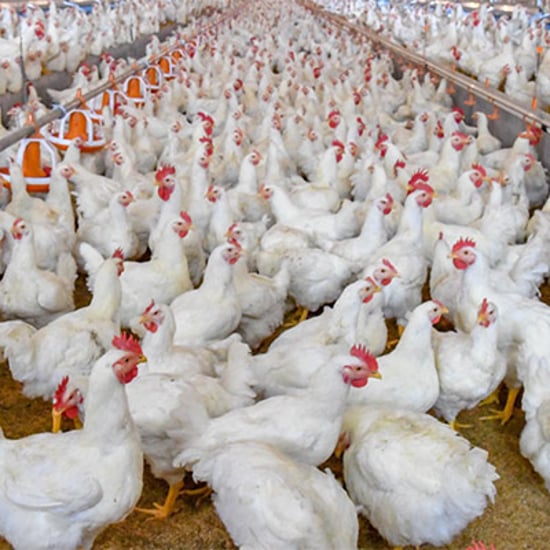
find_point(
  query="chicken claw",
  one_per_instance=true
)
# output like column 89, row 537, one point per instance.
column 505, row 414
column 456, row 426
column 165, row 510
column 201, row 493
column 490, row 399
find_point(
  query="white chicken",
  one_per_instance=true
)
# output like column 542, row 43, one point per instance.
column 212, row 311
column 409, row 373
column 39, row 359
column 316, row 223
column 62, row 490
column 162, row 278
column 469, row 365
column 405, row 251
column 30, row 293
column 266, row 500
column 305, row 425
column 359, row 250
column 452, row 482
column 110, row 229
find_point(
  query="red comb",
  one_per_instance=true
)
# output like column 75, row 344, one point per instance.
column 479, row 169
column 232, row 227
column 389, row 198
column 60, row 391
column 17, row 221
column 387, row 263
column 462, row 243
column 484, row 306
column 149, row 307
column 118, row 253
column 186, row 217
column 363, row 354
column 338, row 143
column 126, row 342
column 234, row 242
column 438, row 303
column 164, row 171
column 420, row 175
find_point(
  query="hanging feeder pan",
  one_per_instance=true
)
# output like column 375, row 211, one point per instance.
column 135, row 89
column 154, row 78
column 167, row 66
column 29, row 157
column 78, row 123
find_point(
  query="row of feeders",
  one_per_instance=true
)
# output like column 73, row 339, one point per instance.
column 37, row 155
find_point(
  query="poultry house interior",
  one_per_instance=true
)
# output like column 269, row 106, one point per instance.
column 282, row 265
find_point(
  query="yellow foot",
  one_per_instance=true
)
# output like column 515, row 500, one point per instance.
column 201, row 493
column 490, row 399
column 46, row 71
column 299, row 315
column 505, row 414
column 458, row 425
column 165, row 510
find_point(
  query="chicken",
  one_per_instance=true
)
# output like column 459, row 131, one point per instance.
column 305, row 426
column 154, row 399
column 405, row 251
column 111, row 229
column 465, row 204
column 62, row 490
column 164, row 356
column 93, row 192
column 414, row 478
column 243, row 197
column 70, row 344
column 162, row 278
column 409, row 373
column 534, row 441
column 359, row 250
column 316, row 223
column 469, row 365
column 52, row 239
column 519, row 337
column 262, row 299
column 486, row 141
column 30, row 293
column 212, row 311
column 266, row 500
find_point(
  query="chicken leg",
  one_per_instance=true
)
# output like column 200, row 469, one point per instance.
column 165, row 510
column 490, row 399
column 455, row 425
column 57, row 417
column 201, row 493
column 505, row 414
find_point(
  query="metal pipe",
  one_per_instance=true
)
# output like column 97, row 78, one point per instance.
column 494, row 97
column 56, row 112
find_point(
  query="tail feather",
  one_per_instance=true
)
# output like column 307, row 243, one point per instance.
column 66, row 268
column 15, row 334
column 92, row 260
column 531, row 267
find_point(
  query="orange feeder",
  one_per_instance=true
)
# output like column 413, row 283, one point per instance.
column 167, row 66
column 79, row 123
column 178, row 54
column 135, row 89
column 29, row 157
column 154, row 77
column 112, row 97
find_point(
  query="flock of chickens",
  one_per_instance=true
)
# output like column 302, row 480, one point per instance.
column 509, row 53
column 246, row 235
column 60, row 39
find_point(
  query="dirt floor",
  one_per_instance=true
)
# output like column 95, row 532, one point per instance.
column 517, row 520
